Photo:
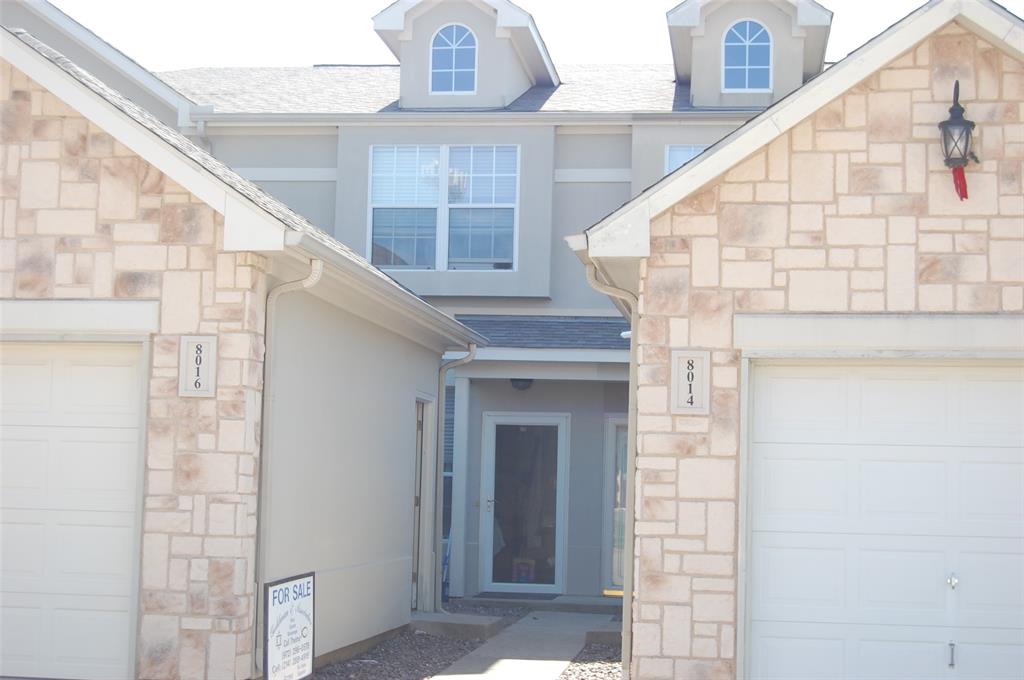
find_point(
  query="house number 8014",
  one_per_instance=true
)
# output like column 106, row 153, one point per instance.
column 691, row 384
column 197, row 366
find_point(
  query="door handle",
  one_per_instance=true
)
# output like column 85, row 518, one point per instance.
column 952, row 581
column 490, row 505
column 952, row 655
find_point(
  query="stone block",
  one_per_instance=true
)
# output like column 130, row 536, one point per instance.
column 889, row 117
column 717, row 607
column 983, row 193
column 39, row 186
column 846, row 231
column 205, row 472
column 676, row 624
column 747, row 274
column 759, row 226
column 666, row 291
column 813, row 177
column 818, row 291
column 712, row 478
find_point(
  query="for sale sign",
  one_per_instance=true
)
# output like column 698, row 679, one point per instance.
column 288, row 607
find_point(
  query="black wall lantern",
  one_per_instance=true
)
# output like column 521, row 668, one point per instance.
column 957, row 137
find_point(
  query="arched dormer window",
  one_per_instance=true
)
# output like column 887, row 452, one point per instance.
column 747, row 58
column 453, row 61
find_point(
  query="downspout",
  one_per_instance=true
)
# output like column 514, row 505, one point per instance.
column 438, row 532
column 316, row 271
column 629, row 539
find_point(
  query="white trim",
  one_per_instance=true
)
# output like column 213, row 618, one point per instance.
column 289, row 174
column 606, row 175
column 612, row 421
column 476, row 64
column 537, row 370
column 444, row 208
column 114, row 57
column 460, row 472
column 91, row 317
column 490, row 420
column 747, row 67
column 626, row 231
column 834, row 333
column 423, row 563
column 586, row 356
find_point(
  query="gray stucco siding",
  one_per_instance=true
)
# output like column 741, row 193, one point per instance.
column 531, row 278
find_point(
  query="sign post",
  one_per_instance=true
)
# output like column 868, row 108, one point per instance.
column 289, row 609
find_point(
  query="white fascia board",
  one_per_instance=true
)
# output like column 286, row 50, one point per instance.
column 110, row 54
column 983, row 15
column 629, row 235
column 381, row 288
column 247, row 227
column 189, row 174
column 542, row 355
column 846, row 333
column 810, row 13
column 79, row 317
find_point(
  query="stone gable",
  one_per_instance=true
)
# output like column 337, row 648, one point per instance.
column 86, row 218
column 851, row 211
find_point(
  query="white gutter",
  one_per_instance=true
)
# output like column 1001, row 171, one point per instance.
column 316, row 270
column 630, row 300
column 438, row 524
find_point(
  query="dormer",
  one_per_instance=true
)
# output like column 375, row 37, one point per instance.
column 464, row 54
column 751, row 52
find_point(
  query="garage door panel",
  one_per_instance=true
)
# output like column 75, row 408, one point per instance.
column 795, row 653
column 800, row 405
column 781, row 491
column 989, row 654
column 82, row 468
column 991, row 493
column 902, row 489
column 993, row 406
column 990, row 592
column 21, row 638
column 890, row 404
column 31, row 379
column 103, row 392
column 864, row 579
column 87, row 643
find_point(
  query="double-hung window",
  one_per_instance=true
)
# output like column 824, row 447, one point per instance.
column 467, row 222
column 747, row 58
column 678, row 155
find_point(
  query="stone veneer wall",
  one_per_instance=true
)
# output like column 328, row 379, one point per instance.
column 850, row 211
column 84, row 217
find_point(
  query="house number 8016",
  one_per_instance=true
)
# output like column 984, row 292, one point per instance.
column 197, row 366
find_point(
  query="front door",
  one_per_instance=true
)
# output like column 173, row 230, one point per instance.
column 523, row 502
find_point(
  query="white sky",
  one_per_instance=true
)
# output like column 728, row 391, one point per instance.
column 165, row 35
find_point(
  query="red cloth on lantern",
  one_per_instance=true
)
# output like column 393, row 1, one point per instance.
column 960, row 182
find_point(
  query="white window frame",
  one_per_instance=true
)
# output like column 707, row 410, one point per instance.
column 443, row 210
column 771, row 59
column 668, row 154
column 476, row 64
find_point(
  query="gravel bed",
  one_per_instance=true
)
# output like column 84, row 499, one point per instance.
column 407, row 656
column 595, row 662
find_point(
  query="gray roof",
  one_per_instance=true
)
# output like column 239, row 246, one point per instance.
column 341, row 89
column 179, row 142
column 549, row 332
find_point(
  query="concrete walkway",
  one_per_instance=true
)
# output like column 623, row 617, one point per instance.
column 539, row 647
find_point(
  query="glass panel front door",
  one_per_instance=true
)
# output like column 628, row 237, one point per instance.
column 619, row 504
column 525, row 504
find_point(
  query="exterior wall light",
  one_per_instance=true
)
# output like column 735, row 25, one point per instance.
column 957, row 137
column 521, row 384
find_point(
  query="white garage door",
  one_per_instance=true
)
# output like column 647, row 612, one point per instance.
column 875, row 489
column 69, row 490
